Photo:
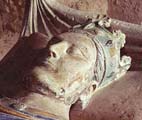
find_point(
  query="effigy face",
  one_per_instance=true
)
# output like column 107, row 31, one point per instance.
column 69, row 69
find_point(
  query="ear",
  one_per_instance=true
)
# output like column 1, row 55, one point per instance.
column 38, row 40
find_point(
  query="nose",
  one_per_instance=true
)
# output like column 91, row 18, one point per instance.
column 59, row 49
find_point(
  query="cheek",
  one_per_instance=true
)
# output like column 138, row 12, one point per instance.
column 73, row 64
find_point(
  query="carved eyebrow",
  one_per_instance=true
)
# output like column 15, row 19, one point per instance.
column 83, row 53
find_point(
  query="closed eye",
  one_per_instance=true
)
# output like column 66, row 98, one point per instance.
column 73, row 50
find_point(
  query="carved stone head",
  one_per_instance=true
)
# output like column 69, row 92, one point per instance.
column 69, row 68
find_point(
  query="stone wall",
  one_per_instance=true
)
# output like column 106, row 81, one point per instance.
column 11, row 14
column 126, row 10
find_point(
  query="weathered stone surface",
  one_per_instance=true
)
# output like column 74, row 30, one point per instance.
column 11, row 14
column 99, row 6
column 126, row 10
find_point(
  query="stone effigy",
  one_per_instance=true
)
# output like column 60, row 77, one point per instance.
column 66, row 63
